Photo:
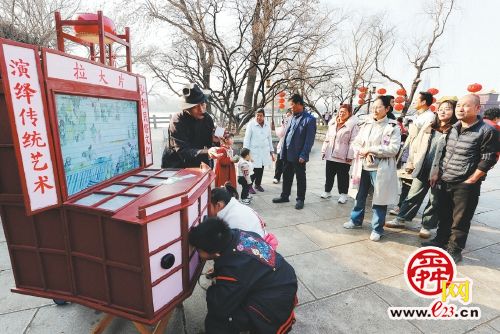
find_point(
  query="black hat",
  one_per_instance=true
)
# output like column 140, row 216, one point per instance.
column 193, row 96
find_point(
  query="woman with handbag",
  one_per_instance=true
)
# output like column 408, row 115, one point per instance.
column 338, row 153
column 375, row 149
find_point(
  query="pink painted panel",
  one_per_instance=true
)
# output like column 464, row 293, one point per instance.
column 154, row 261
column 162, row 205
column 193, row 264
column 164, row 230
column 168, row 289
column 193, row 213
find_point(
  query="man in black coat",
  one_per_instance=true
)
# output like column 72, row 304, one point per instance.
column 190, row 134
column 254, row 288
column 470, row 153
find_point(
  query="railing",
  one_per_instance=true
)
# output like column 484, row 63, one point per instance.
column 155, row 120
column 160, row 120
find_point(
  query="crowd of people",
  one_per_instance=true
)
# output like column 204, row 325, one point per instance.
column 448, row 153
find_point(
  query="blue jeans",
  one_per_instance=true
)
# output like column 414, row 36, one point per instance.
column 368, row 179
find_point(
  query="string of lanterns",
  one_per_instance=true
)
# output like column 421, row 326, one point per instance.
column 401, row 97
column 281, row 100
column 362, row 95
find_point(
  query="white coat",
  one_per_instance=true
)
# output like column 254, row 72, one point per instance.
column 259, row 141
column 240, row 216
column 383, row 140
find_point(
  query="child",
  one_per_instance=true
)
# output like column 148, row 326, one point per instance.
column 245, row 170
column 254, row 288
column 224, row 165
column 224, row 204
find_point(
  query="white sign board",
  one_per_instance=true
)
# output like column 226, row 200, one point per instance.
column 148, row 147
column 26, row 98
column 71, row 69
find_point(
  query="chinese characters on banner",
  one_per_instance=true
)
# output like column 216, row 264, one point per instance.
column 28, row 111
column 148, row 148
column 67, row 68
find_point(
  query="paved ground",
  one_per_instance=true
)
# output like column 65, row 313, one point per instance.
column 346, row 281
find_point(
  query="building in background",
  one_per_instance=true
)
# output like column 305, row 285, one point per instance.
column 489, row 100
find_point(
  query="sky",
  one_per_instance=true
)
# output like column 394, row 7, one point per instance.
column 467, row 53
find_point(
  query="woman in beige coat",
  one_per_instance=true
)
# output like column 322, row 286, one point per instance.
column 375, row 150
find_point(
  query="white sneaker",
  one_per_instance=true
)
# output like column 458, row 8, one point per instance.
column 375, row 236
column 350, row 225
column 394, row 211
column 275, row 181
column 245, row 201
column 396, row 223
column 326, row 194
column 424, row 233
column 343, row 199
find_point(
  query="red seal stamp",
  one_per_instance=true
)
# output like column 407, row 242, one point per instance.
column 427, row 268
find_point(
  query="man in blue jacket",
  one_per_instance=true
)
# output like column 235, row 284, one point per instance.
column 299, row 140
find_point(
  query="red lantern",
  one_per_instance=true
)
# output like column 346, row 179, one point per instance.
column 474, row 88
column 432, row 107
column 399, row 106
column 399, row 99
column 434, row 100
column 281, row 101
column 433, row 91
column 401, row 91
column 90, row 33
column 362, row 95
column 282, row 106
column 381, row 91
column 363, row 89
column 282, row 94
column 361, row 101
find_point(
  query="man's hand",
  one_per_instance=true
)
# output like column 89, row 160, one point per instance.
column 434, row 180
column 476, row 176
column 273, row 157
column 301, row 161
column 212, row 153
column 348, row 160
column 323, row 156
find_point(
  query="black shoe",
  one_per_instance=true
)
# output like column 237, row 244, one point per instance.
column 456, row 255
column 433, row 243
column 299, row 205
column 280, row 200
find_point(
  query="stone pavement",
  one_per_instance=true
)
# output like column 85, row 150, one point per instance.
column 346, row 281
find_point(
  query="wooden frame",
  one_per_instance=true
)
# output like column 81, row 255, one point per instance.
column 58, row 86
column 10, row 107
column 121, row 39
column 86, row 254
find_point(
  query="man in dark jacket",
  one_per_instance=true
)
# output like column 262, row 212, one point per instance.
column 470, row 152
column 299, row 139
column 254, row 288
column 190, row 133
